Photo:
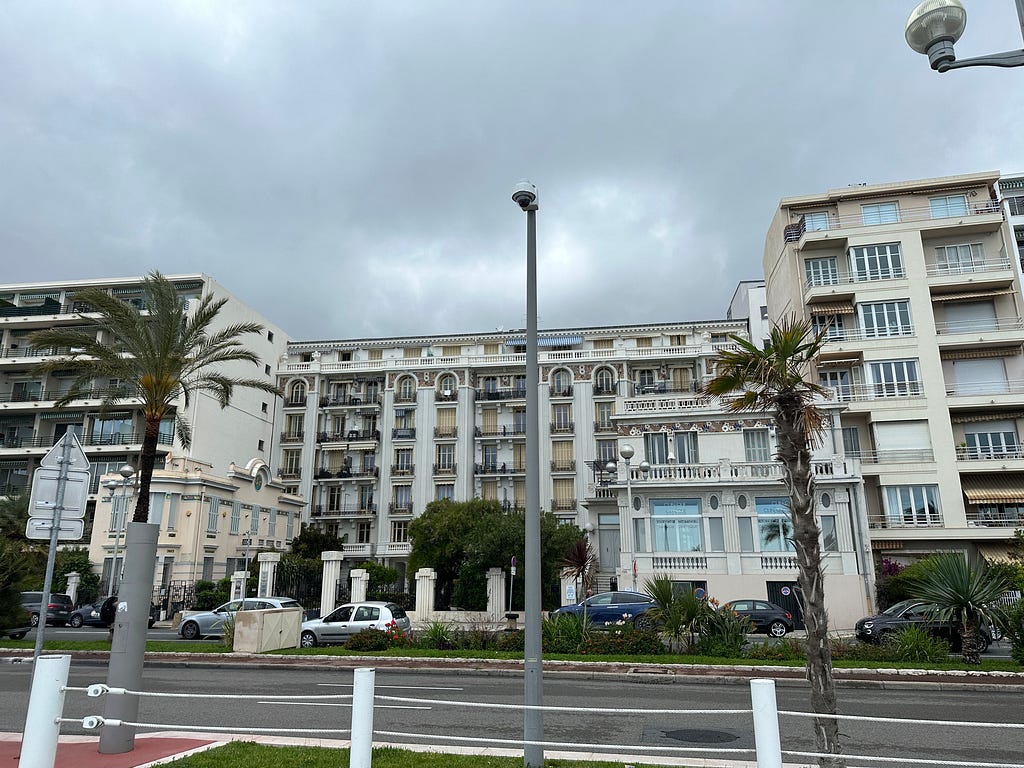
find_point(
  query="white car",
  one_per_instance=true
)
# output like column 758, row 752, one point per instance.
column 351, row 619
column 207, row 623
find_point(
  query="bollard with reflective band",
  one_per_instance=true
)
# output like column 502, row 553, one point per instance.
column 766, row 724
column 361, row 748
column 45, row 708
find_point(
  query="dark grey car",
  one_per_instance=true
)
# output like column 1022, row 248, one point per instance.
column 58, row 610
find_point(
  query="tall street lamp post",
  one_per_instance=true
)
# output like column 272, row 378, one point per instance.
column 525, row 196
column 126, row 482
column 626, row 517
column 934, row 27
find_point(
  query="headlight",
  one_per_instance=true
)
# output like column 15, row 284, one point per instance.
column 868, row 624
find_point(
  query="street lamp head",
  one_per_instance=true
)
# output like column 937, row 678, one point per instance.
column 126, row 471
column 611, row 468
column 524, row 194
column 626, row 451
column 111, row 484
column 934, row 27
column 645, row 468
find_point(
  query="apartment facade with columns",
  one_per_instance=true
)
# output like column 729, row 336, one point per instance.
column 917, row 288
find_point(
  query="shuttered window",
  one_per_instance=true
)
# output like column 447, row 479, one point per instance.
column 446, row 417
column 489, row 490
column 489, row 421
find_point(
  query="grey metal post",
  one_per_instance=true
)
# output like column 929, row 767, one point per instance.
column 533, row 719
column 45, row 708
column 128, row 648
column 51, row 556
column 361, row 744
column 1020, row 16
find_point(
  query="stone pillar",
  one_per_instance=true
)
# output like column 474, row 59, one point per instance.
column 238, row 579
column 268, row 571
column 497, row 603
column 360, row 581
column 426, row 581
column 332, row 574
column 74, row 579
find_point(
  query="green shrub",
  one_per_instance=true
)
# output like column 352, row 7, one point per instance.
column 439, row 635
column 511, row 641
column 724, row 633
column 784, row 650
column 564, row 634
column 475, row 639
column 1015, row 631
column 369, row 640
column 915, row 644
column 622, row 638
column 854, row 650
column 209, row 594
column 228, row 638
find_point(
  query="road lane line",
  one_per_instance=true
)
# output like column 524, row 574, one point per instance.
column 347, row 704
column 399, row 687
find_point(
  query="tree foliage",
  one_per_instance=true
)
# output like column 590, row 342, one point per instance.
column 312, row 542
column 76, row 560
column 462, row 540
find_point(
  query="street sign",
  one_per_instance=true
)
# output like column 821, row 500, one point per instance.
column 76, row 460
column 40, row 528
column 43, row 499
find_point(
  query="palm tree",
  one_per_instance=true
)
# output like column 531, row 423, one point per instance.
column 580, row 563
column 773, row 380
column 955, row 592
column 160, row 355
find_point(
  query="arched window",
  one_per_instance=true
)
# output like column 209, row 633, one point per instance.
column 406, row 389
column 561, row 382
column 298, row 394
column 447, row 385
column 604, row 382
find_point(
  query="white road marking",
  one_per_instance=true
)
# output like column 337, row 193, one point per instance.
column 399, row 687
column 344, row 704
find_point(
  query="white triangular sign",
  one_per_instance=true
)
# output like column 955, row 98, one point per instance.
column 78, row 459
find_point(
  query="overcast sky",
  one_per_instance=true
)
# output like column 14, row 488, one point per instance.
column 346, row 168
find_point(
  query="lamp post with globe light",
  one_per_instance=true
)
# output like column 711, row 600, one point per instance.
column 119, row 512
column 626, row 518
column 935, row 26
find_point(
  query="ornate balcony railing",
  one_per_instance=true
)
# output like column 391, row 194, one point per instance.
column 403, row 433
column 563, row 428
column 563, row 465
column 446, row 431
column 292, row 437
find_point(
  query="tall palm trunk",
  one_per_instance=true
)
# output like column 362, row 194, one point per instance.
column 795, row 456
column 146, row 463
column 971, row 643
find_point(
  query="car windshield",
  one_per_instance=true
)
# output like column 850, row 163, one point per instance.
column 899, row 608
column 290, row 604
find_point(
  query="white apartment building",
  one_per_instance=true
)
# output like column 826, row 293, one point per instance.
column 374, row 429
column 30, row 424
column 917, row 285
column 1011, row 189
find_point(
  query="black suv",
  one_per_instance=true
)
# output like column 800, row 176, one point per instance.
column 58, row 610
column 913, row 613
column 766, row 617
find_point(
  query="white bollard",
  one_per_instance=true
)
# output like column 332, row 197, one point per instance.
column 766, row 724
column 361, row 749
column 45, row 708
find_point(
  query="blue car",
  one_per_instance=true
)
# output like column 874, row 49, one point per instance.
column 607, row 608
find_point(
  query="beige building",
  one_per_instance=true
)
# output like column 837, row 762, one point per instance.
column 917, row 285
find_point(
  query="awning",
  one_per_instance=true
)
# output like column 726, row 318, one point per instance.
column 835, row 308
column 994, row 553
column 1002, row 488
column 886, row 544
column 1011, row 184
column 999, row 416
column 971, row 295
column 62, row 415
column 839, row 361
column 546, row 341
column 978, row 354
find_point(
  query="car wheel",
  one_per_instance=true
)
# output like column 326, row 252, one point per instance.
column 777, row 629
column 75, row 621
column 643, row 621
column 34, row 620
column 190, row 630
column 307, row 640
column 17, row 635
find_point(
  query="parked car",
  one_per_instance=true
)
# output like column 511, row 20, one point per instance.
column 766, row 617
column 351, row 619
column 610, row 607
column 57, row 610
column 211, row 623
column 92, row 615
column 913, row 613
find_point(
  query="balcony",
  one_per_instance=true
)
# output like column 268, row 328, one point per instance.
column 974, row 327
column 356, row 551
column 292, row 437
column 985, row 388
column 497, row 395
column 349, row 509
column 447, row 396
column 903, row 456
column 605, row 390
column 295, row 403
column 563, row 428
column 442, row 432
column 400, row 508
column 989, row 453
column 291, row 473
column 351, row 401
column 563, row 505
column 494, row 469
column 352, row 435
column 403, row 469
column 838, row 277
column 603, row 427
column 854, row 392
column 347, row 473
column 397, row 549
column 49, row 395
column 563, row 465
column 969, row 267
column 560, row 392
column 835, row 467
column 840, row 335
column 445, row 469
column 403, row 433
column 405, row 398
column 996, row 516
column 662, row 388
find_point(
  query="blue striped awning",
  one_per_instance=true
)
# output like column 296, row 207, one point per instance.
column 546, row 341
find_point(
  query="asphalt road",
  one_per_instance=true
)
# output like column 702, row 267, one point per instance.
column 431, row 717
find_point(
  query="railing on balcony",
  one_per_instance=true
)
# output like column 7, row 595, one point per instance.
column 835, row 335
column 357, row 550
column 46, row 395
column 903, row 455
column 493, row 469
column 601, row 491
column 603, row 426
column 403, row 469
column 985, row 325
column 793, row 232
column 662, row 388
column 505, row 430
column 405, row 398
column 562, row 428
column 347, row 508
column 353, row 434
column 604, row 390
column 560, row 391
column 969, row 267
column 852, row 392
column 445, row 469
column 778, row 562
column 350, row 401
column 919, row 519
column 395, row 548
column 996, row 516
column 400, row 508
column 292, row 437
column 291, row 473
column 663, row 562
column 33, row 440
column 446, row 431
column 515, row 393
column 836, row 466
column 447, row 396
column 345, row 473
column 403, row 433
column 986, row 388
column 989, row 453
column 562, row 504
column 563, row 465
column 295, row 403
column 840, row 277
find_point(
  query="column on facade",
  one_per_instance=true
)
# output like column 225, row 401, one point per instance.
column 360, row 583
column 332, row 575
column 238, row 580
column 731, row 532
column 74, row 579
column 496, row 602
column 268, row 572
column 426, row 582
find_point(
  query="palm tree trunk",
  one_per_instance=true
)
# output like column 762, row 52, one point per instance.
column 794, row 453
column 147, row 460
column 970, row 643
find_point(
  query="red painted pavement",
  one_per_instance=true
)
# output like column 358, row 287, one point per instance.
column 85, row 754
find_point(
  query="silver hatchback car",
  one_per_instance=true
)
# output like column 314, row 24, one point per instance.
column 351, row 619
column 208, row 623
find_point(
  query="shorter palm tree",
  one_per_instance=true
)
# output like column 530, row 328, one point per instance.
column 955, row 592
column 677, row 615
column 580, row 563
